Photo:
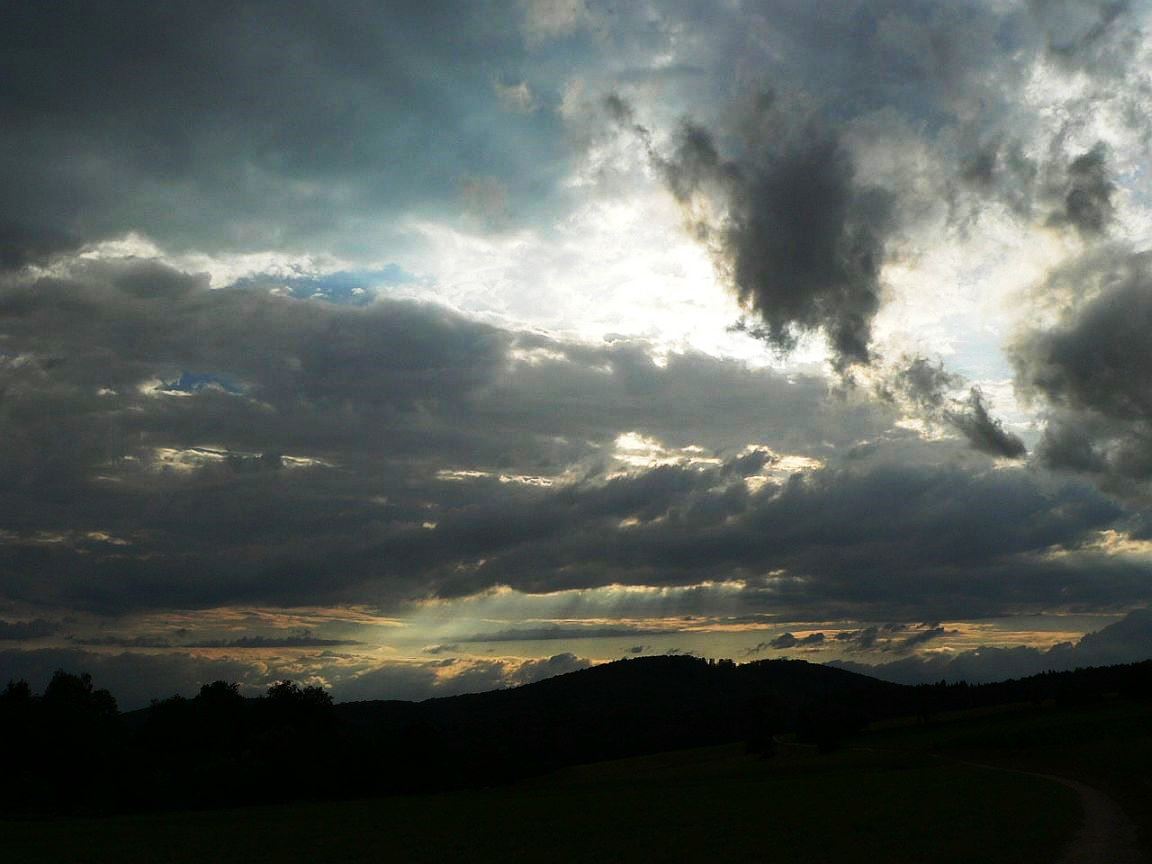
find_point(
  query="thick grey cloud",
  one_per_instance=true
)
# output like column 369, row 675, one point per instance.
column 895, row 637
column 799, row 241
column 923, row 387
column 290, row 125
column 174, row 445
column 788, row 640
column 1088, row 194
column 984, row 432
column 1091, row 368
column 875, row 541
column 922, row 382
column 317, row 473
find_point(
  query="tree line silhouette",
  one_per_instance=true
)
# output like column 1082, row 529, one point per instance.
column 69, row 750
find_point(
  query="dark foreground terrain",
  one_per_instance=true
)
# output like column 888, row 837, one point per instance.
column 669, row 759
column 707, row 804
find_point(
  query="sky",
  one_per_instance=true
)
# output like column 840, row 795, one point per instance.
column 412, row 349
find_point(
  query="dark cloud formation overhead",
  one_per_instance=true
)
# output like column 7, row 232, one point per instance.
column 924, row 386
column 984, row 432
column 366, row 409
column 334, row 435
column 287, row 124
column 1088, row 193
column 1091, row 368
column 800, row 242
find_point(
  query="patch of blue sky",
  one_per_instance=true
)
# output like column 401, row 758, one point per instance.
column 194, row 382
column 347, row 287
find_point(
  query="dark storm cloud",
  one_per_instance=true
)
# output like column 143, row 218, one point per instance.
column 22, row 244
column 1090, row 369
column 984, row 432
column 276, row 124
column 884, row 541
column 923, row 387
column 800, row 242
column 168, row 444
column 920, row 637
column 1072, row 190
column 1087, row 194
column 859, row 640
column 923, row 383
column 894, row 638
column 388, row 395
column 779, row 187
column 1127, row 641
column 999, row 169
column 788, row 640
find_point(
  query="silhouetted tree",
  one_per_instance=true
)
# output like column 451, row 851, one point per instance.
column 67, row 692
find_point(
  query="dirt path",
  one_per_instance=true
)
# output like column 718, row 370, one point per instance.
column 1106, row 837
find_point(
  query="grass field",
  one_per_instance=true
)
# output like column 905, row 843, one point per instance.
column 1107, row 745
column 699, row 805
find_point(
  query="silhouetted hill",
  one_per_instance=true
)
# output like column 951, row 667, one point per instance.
column 628, row 707
column 75, row 751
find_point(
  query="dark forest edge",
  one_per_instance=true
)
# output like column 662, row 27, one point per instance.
column 71, row 751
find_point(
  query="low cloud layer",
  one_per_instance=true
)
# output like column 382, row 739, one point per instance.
column 1127, row 641
column 397, row 451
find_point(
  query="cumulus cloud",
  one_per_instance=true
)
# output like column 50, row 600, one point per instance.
column 787, row 640
column 799, row 240
column 924, row 387
column 984, row 432
column 1087, row 194
column 1089, row 368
